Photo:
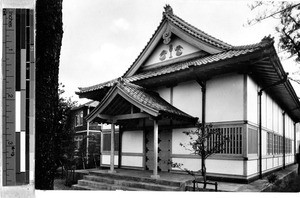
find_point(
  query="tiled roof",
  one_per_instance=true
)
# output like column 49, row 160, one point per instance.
column 196, row 32
column 183, row 25
column 234, row 52
column 90, row 103
column 150, row 99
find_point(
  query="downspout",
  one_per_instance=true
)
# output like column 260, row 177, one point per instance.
column 260, row 134
column 295, row 142
column 259, row 119
column 203, row 88
column 283, row 143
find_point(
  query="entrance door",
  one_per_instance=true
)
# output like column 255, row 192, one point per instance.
column 164, row 150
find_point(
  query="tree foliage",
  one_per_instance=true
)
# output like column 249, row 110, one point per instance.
column 200, row 145
column 64, row 136
column 48, row 44
column 288, row 28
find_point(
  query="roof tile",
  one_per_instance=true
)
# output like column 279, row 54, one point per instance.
column 173, row 68
column 150, row 99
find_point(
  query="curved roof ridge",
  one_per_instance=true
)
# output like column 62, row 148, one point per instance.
column 98, row 86
column 150, row 98
column 200, row 33
column 161, row 22
column 266, row 41
column 170, row 17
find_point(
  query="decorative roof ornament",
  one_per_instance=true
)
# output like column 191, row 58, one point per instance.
column 168, row 10
column 167, row 36
column 120, row 80
column 267, row 40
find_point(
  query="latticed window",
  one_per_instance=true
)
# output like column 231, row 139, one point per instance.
column 79, row 119
column 107, row 141
column 276, row 144
column 270, row 143
column 280, row 144
column 288, row 145
column 227, row 140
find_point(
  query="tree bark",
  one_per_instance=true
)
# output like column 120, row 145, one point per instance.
column 48, row 44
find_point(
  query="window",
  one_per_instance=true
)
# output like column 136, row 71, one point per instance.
column 288, row 145
column 106, row 142
column 270, row 144
column 275, row 144
column 79, row 119
column 78, row 140
column 231, row 146
column 252, row 141
column 280, row 145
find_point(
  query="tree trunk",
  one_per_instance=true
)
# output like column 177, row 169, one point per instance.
column 203, row 171
column 48, row 44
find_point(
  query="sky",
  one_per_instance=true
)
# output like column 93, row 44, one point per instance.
column 102, row 38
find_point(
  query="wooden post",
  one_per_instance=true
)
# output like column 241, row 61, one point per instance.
column 112, row 149
column 155, row 154
column 87, row 141
column 87, row 136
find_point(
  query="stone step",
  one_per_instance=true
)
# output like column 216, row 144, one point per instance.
column 79, row 187
column 92, row 185
column 137, row 179
column 131, row 183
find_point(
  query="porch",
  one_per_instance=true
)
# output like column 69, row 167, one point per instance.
column 180, row 181
column 140, row 115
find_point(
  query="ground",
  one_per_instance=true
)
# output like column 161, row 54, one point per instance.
column 293, row 186
column 59, row 184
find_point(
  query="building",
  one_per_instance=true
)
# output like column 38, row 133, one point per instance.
column 183, row 75
column 82, row 129
column 98, row 133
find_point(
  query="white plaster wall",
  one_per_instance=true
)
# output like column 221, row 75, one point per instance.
column 187, row 97
column 288, row 159
column 264, row 110
column 108, row 126
column 286, row 126
column 106, row 159
column 224, row 101
column 272, row 118
column 179, row 137
column 264, row 164
column 187, row 49
column 136, row 161
column 289, row 127
column 165, row 93
column 188, row 163
column 275, row 117
column 276, row 161
column 252, row 100
column 252, row 167
column 280, row 123
column 269, row 113
column 132, row 142
column 280, row 162
column 269, row 163
column 234, row 167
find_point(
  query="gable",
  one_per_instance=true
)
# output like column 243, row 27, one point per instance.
column 175, row 50
column 175, row 31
